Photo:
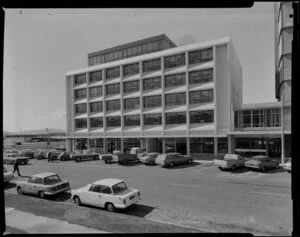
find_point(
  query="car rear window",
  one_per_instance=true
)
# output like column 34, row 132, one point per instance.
column 52, row 179
column 120, row 187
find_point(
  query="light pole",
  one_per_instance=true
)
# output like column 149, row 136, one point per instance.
column 282, row 132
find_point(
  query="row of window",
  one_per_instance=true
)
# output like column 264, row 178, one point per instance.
column 195, row 77
column 195, row 97
column 205, row 116
column 173, row 61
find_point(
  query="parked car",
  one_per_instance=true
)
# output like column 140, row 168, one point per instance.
column 172, row 159
column 54, row 154
column 107, row 158
column 230, row 161
column 43, row 184
column 149, row 158
column 126, row 158
column 10, row 159
column 7, row 176
column 106, row 193
column 87, row 155
column 15, row 151
column 262, row 163
column 65, row 156
column 40, row 154
column 287, row 166
column 28, row 153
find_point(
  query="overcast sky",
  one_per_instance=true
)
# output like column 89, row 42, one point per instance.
column 40, row 46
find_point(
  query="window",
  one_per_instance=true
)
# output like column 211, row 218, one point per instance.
column 80, row 79
column 246, row 119
column 203, row 96
column 112, row 105
column 80, row 94
column 96, row 106
column 272, row 118
column 81, row 123
column 131, row 86
column 174, row 61
column 113, row 89
column 257, row 118
column 175, row 80
column 152, row 119
column 112, row 72
column 200, row 56
column 120, row 187
column 152, row 83
column 132, row 103
column 80, row 108
column 132, row 120
column 53, row 179
column 152, row 101
column 131, row 69
column 222, row 145
column 153, row 65
column 32, row 180
column 176, row 118
column 105, row 189
column 96, row 122
column 96, row 188
column 202, row 145
column 204, row 116
column 113, row 121
column 95, row 91
column 175, row 99
column 201, row 76
column 95, row 76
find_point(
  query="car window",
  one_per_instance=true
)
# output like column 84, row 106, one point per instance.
column 39, row 181
column 96, row 188
column 52, row 179
column 105, row 189
column 120, row 187
column 32, row 180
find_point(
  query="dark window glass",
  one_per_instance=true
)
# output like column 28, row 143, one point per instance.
column 272, row 118
column 131, row 86
column 112, row 72
column 200, row 56
column 202, row 145
column 203, row 96
column 175, row 80
column 201, row 76
column 80, row 94
column 96, row 106
column 112, row 105
column 113, row 121
column 132, row 103
column 95, row 91
column 95, row 76
column 246, row 119
column 131, row 69
column 204, row 116
column 175, row 99
column 96, row 122
column 258, row 118
column 152, row 119
column 113, row 89
column 80, row 79
column 132, row 120
column 174, row 61
column 80, row 108
column 153, row 65
column 81, row 123
column 152, row 83
column 152, row 101
column 105, row 189
column 175, row 118
column 90, row 62
column 222, row 145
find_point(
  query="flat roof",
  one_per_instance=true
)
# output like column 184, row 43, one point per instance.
column 43, row 175
column 134, row 43
column 108, row 181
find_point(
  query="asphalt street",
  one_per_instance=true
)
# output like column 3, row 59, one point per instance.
column 197, row 196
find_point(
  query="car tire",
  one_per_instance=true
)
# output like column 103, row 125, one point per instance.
column 78, row 159
column 77, row 201
column 20, row 191
column 171, row 164
column 233, row 168
column 40, row 157
column 96, row 157
column 190, row 161
column 41, row 194
column 220, row 168
column 151, row 163
column 110, row 207
column 263, row 169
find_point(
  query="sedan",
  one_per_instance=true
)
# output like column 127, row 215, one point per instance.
column 65, row 155
column 106, row 193
column 40, row 154
column 262, row 163
column 149, row 158
column 172, row 159
column 28, row 153
column 7, row 176
column 43, row 184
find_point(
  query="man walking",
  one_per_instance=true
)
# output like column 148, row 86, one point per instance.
column 16, row 167
column 48, row 155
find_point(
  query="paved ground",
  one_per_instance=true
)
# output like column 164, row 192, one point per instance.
column 198, row 196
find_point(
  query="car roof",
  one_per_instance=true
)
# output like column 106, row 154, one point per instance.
column 108, row 181
column 43, row 175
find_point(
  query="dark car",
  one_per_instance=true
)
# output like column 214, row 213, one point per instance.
column 262, row 163
column 149, row 158
column 54, row 154
column 40, row 154
column 28, row 153
column 172, row 159
column 65, row 155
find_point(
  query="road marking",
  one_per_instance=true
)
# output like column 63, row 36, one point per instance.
column 274, row 194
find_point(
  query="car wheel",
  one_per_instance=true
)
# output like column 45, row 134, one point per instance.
column 110, row 207
column 41, row 194
column 20, row 191
column 190, row 161
column 96, row 157
column 171, row 164
column 78, row 159
column 220, row 168
column 40, row 157
column 77, row 201
column 152, row 163
column 233, row 167
column 263, row 169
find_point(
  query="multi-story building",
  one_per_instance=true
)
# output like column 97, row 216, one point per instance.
column 172, row 99
column 283, row 64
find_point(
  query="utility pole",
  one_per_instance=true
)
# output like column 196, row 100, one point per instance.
column 282, row 132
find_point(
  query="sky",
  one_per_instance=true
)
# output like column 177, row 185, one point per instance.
column 41, row 45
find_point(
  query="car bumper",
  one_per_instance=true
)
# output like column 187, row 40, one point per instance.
column 286, row 168
column 56, row 192
column 127, row 204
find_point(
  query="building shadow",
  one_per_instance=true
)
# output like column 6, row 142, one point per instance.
column 61, row 197
column 9, row 185
column 193, row 164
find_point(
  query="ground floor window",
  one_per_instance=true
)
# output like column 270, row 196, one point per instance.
column 222, row 145
column 176, row 145
column 131, row 142
column 202, row 145
column 113, row 144
column 96, row 143
column 81, row 144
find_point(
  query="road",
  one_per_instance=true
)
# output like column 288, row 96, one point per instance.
column 197, row 196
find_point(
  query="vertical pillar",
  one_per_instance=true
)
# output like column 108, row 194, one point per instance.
column 88, row 143
column 188, row 146
column 147, row 144
column 122, row 144
column 73, row 144
column 267, row 146
column 164, row 145
column 163, row 96
column 231, row 144
column 215, row 147
column 104, row 145
column 141, row 100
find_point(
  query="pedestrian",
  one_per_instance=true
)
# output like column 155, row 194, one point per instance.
column 48, row 155
column 16, row 167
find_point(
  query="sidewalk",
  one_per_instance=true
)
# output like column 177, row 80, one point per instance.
column 204, row 162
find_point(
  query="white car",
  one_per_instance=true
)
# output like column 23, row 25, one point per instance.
column 7, row 176
column 106, row 193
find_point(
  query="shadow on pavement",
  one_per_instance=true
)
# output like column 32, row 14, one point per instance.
column 62, row 197
column 277, row 170
column 237, row 171
column 131, row 164
column 9, row 185
column 138, row 210
column 193, row 164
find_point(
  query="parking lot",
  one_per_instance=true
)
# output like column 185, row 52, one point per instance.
column 197, row 196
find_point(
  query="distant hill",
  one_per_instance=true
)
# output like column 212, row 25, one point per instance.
column 37, row 132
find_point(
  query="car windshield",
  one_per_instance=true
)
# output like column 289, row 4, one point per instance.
column 120, row 187
column 52, row 179
column 14, row 155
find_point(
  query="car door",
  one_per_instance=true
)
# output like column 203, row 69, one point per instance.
column 38, row 186
column 180, row 159
column 29, row 187
column 94, row 196
column 106, row 195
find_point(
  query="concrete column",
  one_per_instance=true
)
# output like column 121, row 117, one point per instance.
column 163, row 97
column 88, row 143
column 231, row 144
column 69, row 145
column 267, row 146
column 121, row 104
column 164, row 145
column 122, row 144
column 104, row 145
column 73, row 144
column 147, row 144
column 87, row 104
column 215, row 147
column 188, row 147
column 141, row 99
